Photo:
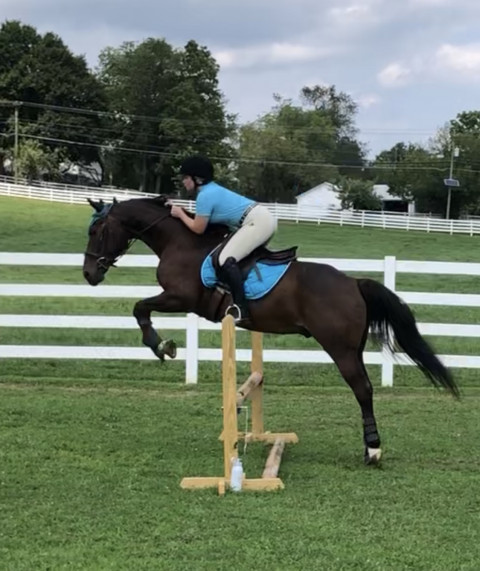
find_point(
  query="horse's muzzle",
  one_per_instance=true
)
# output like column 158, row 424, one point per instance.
column 93, row 278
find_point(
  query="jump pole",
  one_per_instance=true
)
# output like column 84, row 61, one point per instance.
column 252, row 389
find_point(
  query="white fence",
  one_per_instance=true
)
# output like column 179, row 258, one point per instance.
column 192, row 324
column 289, row 212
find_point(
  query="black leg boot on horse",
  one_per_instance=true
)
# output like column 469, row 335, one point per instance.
column 231, row 274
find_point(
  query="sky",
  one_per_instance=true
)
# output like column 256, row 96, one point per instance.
column 411, row 66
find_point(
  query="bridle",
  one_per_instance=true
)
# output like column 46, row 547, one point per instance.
column 106, row 262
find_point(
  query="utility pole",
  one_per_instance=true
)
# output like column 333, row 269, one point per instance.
column 451, row 182
column 15, row 146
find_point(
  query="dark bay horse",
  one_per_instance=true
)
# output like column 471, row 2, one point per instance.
column 314, row 300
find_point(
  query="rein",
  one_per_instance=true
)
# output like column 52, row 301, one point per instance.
column 105, row 262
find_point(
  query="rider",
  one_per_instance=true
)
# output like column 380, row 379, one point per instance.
column 253, row 224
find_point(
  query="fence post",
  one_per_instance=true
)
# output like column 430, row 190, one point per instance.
column 191, row 350
column 389, row 280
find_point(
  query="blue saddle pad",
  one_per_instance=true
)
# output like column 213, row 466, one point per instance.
column 261, row 279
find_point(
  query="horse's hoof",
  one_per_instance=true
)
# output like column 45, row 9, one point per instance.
column 372, row 456
column 169, row 348
column 159, row 353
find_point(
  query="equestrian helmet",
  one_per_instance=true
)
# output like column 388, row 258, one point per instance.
column 197, row 166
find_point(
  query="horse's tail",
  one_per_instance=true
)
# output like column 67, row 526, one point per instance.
column 384, row 309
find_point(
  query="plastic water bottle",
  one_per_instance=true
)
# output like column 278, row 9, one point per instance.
column 236, row 477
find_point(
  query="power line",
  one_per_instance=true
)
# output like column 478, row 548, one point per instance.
column 103, row 146
column 118, row 115
column 116, row 144
column 93, row 112
column 238, row 159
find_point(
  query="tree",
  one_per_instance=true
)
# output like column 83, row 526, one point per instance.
column 339, row 107
column 418, row 172
column 413, row 172
column 42, row 73
column 36, row 161
column 276, row 159
column 464, row 133
column 358, row 194
column 168, row 104
column 292, row 148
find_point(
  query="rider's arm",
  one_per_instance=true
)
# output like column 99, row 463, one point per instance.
column 204, row 208
column 197, row 224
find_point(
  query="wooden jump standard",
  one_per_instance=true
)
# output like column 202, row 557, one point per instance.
column 251, row 389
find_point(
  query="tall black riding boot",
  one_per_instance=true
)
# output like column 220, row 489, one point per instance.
column 232, row 275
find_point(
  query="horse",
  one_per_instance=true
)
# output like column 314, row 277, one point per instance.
column 311, row 299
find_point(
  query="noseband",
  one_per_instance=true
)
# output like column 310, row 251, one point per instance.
column 106, row 262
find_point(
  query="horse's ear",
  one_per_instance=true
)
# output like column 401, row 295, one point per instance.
column 97, row 206
column 115, row 201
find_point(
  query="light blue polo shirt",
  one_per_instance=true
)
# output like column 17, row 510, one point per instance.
column 220, row 205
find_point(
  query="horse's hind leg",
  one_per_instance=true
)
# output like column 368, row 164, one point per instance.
column 351, row 366
column 345, row 347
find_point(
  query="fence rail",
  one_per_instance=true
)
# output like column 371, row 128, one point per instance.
column 192, row 354
column 288, row 212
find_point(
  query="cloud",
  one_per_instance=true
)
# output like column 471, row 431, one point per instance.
column 210, row 22
column 456, row 63
column 461, row 8
column 350, row 11
column 275, row 46
column 357, row 17
column 395, row 75
column 464, row 60
column 271, row 54
column 367, row 100
column 432, row 3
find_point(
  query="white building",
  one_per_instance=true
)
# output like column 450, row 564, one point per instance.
column 325, row 196
column 393, row 203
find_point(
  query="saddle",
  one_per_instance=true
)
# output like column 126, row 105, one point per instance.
column 261, row 254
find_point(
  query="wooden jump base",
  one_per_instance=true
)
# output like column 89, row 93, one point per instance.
column 251, row 389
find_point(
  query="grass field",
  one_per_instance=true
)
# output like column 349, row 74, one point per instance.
column 92, row 453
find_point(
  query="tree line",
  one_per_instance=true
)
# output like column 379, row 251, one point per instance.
column 149, row 104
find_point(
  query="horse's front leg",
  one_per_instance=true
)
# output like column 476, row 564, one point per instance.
column 166, row 303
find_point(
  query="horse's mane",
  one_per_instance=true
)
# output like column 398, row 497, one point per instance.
column 159, row 202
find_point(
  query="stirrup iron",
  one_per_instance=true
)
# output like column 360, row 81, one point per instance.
column 237, row 312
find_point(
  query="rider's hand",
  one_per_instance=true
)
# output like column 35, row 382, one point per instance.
column 176, row 211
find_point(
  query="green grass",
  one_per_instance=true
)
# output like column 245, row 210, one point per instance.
column 90, row 480
column 37, row 226
column 92, row 453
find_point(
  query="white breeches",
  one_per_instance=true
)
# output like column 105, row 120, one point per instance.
column 257, row 229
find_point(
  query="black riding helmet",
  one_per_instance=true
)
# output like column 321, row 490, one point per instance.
column 198, row 166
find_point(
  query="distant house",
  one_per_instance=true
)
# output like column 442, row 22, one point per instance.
column 325, row 196
column 393, row 203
